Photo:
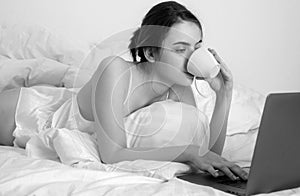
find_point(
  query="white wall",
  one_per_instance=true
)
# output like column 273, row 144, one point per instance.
column 259, row 39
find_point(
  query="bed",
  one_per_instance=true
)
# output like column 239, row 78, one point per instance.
column 31, row 56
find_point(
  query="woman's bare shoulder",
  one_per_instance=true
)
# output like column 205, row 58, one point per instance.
column 114, row 60
column 110, row 67
column 112, row 74
column 111, row 64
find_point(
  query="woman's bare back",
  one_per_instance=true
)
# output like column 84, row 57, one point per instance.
column 137, row 98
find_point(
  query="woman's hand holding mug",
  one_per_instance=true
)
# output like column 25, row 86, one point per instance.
column 205, row 63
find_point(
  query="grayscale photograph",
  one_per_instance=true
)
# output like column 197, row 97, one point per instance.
column 149, row 97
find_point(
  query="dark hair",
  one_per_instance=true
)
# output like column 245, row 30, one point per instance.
column 151, row 33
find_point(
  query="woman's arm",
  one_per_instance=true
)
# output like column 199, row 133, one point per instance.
column 218, row 122
column 222, row 85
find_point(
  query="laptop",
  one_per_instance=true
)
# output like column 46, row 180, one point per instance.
column 276, row 159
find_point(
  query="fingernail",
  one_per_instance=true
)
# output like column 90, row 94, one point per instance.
column 216, row 174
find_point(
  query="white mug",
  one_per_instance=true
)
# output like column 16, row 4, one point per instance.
column 203, row 64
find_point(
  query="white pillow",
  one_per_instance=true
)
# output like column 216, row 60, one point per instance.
column 29, row 72
column 30, row 41
column 167, row 123
column 246, row 106
column 41, row 71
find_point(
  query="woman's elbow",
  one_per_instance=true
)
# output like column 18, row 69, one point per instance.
column 111, row 156
column 108, row 159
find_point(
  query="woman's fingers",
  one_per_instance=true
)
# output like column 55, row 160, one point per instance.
column 193, row 167
column 218, row 58
column 211, row 162
column 224, row 69
column 239, row 171
column 211, row 170
column 225, row 170
column 234, row 169
column 226, row 75
column 214, row 53
column 204, row 165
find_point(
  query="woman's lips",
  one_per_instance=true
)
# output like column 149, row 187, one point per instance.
column 189, row 75
column 200, row 78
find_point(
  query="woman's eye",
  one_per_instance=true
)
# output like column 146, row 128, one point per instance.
column 180, row 50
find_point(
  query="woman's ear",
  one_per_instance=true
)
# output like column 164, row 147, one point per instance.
column 149, row 54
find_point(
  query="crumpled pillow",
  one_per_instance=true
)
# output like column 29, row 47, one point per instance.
column 41, row 71
column 29, row 72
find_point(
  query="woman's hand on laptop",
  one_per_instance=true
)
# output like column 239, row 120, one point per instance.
column 212, row 163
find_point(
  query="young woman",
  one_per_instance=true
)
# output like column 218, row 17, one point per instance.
column 167, row 37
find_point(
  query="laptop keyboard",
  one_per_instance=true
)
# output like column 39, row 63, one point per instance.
column 227, row 181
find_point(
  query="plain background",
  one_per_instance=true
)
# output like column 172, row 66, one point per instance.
column 258, row 39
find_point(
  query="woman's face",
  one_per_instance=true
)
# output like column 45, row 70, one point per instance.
column 180, row 42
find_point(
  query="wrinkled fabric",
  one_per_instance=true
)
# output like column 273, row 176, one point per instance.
column 43, row 107
column 50, row 126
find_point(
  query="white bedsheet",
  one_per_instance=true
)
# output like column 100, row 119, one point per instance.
column 22, row 175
